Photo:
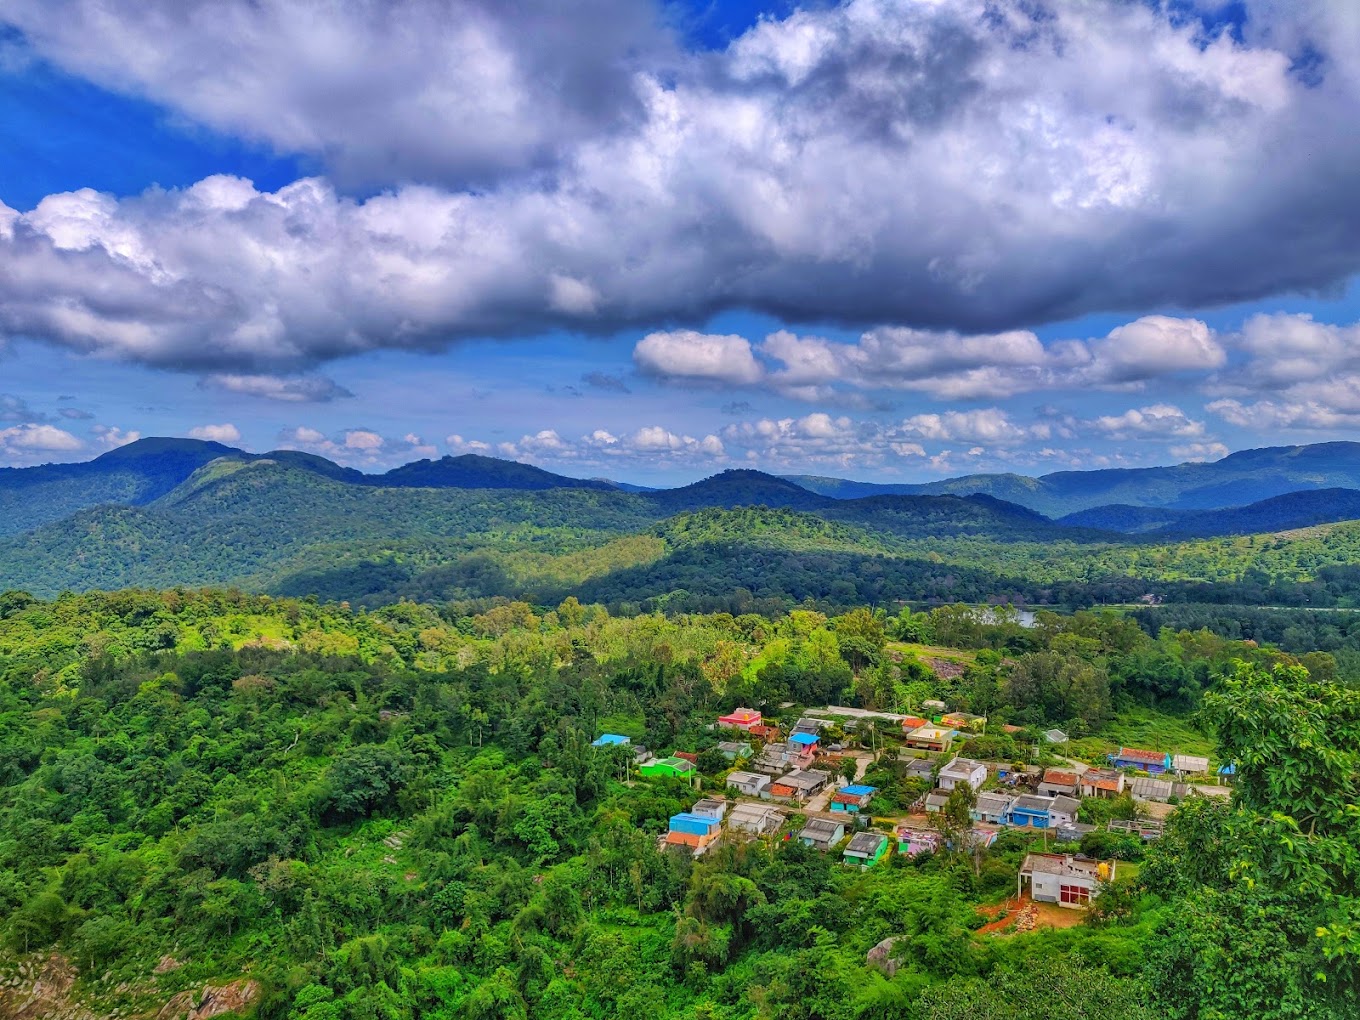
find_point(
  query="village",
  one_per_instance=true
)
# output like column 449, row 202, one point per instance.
column 798, row 786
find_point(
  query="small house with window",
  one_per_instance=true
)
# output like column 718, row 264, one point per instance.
column 800, row 784
column 912, row 842
column 754, row 819
column 1101, row 783
column 1058, row 783
column 962, row 771
column 803, row 745
column 853, row 799
column 749, row 784
column 865, row 849
column 1155, row 762
column 1190, row 765
column 734, row 749
column 670, row 768
column 935, row 800
column 1062, row 813
column 693, row 830
column 964, row 721
column 930, row 738
column 1063, row 879
column 740, row 719
column 822, row 833
column 1031, row 812
column 710, row 807
column 991, row 808
column 921, row 768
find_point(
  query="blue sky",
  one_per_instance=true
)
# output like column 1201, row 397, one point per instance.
column 876, row 239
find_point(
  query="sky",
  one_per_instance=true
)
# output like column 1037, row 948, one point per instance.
column 651, row 240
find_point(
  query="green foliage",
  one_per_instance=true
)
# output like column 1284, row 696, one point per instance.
column 399, row 812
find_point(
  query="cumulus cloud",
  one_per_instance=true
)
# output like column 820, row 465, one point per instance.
column 989, row 426
column 436, row 90
column 967, row 167
column 458, row 445
column 690, row 356
column 1155, row 345
column 1200, row 452
column 357, row 447
column 300, row 389
column 35, row 438
column 225, row 433
column 1263, row 415
column 1159, row 420
column 111, row 437
column 944, row 364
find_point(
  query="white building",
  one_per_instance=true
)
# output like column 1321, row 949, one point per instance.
column 960, row 771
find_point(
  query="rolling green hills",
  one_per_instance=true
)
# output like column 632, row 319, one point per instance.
column 1247, row 476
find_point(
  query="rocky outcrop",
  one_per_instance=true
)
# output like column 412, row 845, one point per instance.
column 214, row 1000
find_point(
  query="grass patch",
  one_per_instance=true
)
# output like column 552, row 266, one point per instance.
column 1144, row 728
column 932, row 651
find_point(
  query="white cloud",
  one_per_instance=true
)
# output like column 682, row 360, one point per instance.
column 989, row 426
column 226, row 433
column 1200, row 451
column 458, row 445
column 358, row 447
column 1160, row 421
column 685, row 354
column 445, row 90
column 362, row 439
column 111, row 436
column 302, row 435
column 959, row 166
column 1265, row 415
column 1153, row 346
column 31, row 437
column 300, row 389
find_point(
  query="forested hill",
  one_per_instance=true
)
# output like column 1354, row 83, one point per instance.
column 1279, row 513
column 319, row 813
column 144, row 471
column 1238, row 479
column 470, row 471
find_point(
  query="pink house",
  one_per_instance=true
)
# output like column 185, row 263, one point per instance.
column 740, row 719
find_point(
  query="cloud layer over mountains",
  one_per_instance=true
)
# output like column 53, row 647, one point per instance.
column 968, row 168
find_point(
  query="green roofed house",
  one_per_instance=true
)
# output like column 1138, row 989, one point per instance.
column 865, row 849
column 675, row 768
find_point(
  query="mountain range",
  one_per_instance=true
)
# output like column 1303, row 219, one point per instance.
column 166, row 512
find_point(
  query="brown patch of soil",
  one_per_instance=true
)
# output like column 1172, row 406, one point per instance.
column 214, row 1000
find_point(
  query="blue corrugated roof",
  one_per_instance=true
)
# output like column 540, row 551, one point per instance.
column 859, row 791
column 804, row 738
column 698, row 825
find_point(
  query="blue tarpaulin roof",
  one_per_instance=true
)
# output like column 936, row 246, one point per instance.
column 859, row 791
column 608, row 739
column 695, row 825
column 803, row 738
column 1227, row 770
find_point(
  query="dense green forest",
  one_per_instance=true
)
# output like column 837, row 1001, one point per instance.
column 341, row 813
column 288, row 529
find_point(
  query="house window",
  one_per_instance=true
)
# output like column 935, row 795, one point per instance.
column 1074, row 894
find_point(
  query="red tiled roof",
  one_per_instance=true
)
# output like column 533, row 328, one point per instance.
column 1060, row 778
column 1134, row 754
